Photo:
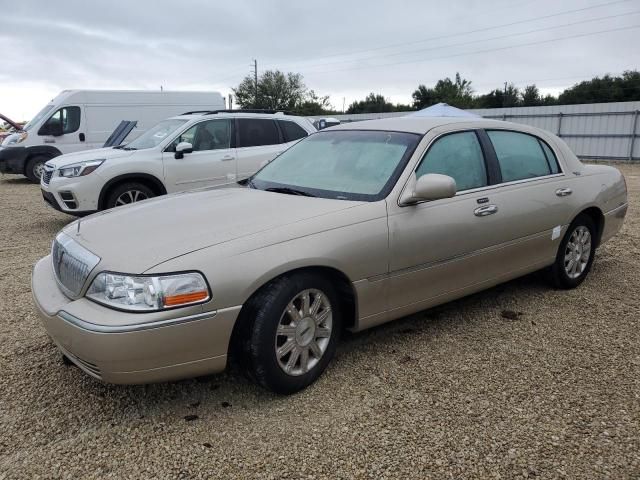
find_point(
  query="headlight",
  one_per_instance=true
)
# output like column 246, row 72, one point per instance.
column 148, row 293
column 15, row 138
column 79, row 169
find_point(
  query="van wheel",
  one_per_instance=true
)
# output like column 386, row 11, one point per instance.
column 35, row 168
column 127, row 193
column 293, row 334
column 575, row 254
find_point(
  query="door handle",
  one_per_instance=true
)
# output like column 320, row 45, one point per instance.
column 226, row 158
column 486, row 210
column 563, row 192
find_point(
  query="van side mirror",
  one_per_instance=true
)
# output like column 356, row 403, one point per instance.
column 431, row 186
column 54, row 129
column 182, row 148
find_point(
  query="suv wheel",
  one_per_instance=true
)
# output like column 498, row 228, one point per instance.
column 575, row 254
column 35, row 168
column 294, row 332
column 127, row 193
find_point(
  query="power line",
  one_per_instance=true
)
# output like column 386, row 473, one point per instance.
column 484, row 29
column 527, row 32
column 540, row 42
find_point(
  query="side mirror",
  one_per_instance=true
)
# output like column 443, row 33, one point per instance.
column 431, row 186
column 182, row 148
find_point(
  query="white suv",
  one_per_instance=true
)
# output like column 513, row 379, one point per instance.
column 193, row 150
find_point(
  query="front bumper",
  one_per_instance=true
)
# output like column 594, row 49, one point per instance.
column 129, row 348
column 74, row 196
column 12, row 159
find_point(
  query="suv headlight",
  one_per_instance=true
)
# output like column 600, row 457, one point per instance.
column 141, row 293
column 79, row 169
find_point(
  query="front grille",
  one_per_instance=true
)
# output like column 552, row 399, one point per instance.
column 47, row 174
column 72, row 264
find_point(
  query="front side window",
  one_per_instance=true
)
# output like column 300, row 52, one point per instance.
column 155, row 135
column 254, row 132
column 209, row 135
column 346, row 165
column 459, row 156
column 520, row 155
column 64, row 121
column 292, row 131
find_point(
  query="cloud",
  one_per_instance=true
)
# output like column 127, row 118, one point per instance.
column 343, row 49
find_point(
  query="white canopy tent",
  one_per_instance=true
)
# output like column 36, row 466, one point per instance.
column 442, row 110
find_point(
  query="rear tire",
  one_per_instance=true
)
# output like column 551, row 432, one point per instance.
column 35, row 167
column 126, row 193
column 575, row 253
column 290, row 332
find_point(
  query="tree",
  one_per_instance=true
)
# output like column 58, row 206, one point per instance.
column 314, row 105
column 456, row 93
column 508, row 97
column 373, row 103
column 531, row 96
column 624, row 88
column 275, row 91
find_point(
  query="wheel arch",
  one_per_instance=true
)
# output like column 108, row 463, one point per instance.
column 597, row 216
column 36, row 150
column 344, row 288
column 145, row 178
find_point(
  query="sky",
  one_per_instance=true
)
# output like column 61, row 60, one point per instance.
column 344, row 49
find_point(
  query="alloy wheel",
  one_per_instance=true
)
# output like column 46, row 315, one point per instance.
column 304, row 332
column 130, row 196
column 577, row 252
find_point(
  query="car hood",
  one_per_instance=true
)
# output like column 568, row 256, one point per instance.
column 135, row 238
column 88, row 155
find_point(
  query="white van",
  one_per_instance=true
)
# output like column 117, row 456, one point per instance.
column 79, row 120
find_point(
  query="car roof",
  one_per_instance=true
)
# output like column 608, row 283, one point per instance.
column 419, row 125
column 222, row 114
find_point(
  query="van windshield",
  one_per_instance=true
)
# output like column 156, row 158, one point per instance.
column 41, row 114
column 156, row 135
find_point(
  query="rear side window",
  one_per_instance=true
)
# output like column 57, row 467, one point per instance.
column 458, row 155
column 551, row 158
column 254, row 132
column 521, row 156
column 292, row 131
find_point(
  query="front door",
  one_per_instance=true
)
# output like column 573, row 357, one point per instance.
column 443, row 246
column 212, row 162
column 65, row 130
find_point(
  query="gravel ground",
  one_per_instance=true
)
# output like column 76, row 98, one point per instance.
column 518, row 381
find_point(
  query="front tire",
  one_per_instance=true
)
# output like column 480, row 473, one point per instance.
column 575, row 254
column 126, row 193
column 35, row 168
column 292, row 330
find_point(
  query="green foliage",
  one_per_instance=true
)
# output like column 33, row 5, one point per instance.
column 624, row 88
column 456, row 93
column 374, row 103
column 279, row 91
column 507, row 97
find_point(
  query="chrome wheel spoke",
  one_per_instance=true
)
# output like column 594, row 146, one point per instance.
column 288, row 346
column 304, row 332
column 315, row 349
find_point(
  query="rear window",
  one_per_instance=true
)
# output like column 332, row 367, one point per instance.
column 254, row 132
column 521, row 156
column 292, row 131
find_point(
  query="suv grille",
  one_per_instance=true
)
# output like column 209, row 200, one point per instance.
column 72, row 264
column 47, row 174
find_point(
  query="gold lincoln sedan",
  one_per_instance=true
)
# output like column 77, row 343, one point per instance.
column 354, row 226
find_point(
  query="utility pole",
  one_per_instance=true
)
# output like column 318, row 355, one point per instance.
column 255, row 79
column 504, row 97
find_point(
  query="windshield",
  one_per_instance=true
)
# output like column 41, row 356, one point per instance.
column 154, row 136
column 42, row 113
column 344, row 164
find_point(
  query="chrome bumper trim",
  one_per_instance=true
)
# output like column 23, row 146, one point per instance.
column 93, row 327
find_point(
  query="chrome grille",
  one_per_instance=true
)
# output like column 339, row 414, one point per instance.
column 72, row 264
column 47, row 174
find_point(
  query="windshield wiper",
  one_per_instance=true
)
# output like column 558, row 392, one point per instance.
column 128, row 148
column 289, row 191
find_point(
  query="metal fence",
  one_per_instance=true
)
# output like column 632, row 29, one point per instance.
column 598, row 131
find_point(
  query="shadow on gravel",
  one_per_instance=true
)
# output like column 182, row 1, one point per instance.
column 16, row 181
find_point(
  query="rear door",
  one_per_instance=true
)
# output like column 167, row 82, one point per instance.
column 259, row 140
column 212, row 162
